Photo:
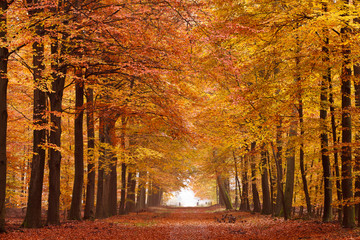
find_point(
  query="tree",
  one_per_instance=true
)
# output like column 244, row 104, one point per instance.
column 75, row 210
column 89, row 212
column 325, row 158
column 267, row 206
column 34, row 206
column 346, row 156
column 4, row 54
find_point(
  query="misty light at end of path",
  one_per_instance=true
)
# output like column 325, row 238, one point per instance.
column 186, row 198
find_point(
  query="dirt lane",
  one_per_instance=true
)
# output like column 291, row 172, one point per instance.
column 183, row 224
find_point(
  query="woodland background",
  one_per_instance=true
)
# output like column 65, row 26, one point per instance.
column 107, row 105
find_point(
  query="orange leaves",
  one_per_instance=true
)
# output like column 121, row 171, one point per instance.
column 185, row 223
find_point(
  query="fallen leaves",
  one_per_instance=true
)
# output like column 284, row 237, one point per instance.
column 185, row 223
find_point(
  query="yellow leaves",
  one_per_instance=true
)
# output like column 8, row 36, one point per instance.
column 143, row 153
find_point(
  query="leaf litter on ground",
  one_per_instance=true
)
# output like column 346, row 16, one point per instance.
column 185, row 223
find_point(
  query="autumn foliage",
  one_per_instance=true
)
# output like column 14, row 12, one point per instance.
column 106, row 107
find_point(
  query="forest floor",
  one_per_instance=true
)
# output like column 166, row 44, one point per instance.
column 185, row 223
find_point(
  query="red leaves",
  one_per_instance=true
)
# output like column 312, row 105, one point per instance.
column 185, row 223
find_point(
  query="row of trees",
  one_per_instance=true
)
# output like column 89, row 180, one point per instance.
column 124, row 58
column 261, row 91
column 286, row 77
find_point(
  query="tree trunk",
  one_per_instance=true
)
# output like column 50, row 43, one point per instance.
column 281, row 192
column 346, row 167
column 123, row 167
column 279, row 171
column 244, row 204
column 290, row 172
column 256, row 198
column 336, row 156
column 130, row 199
column 90, row 186
column 100, row 183
column 33, row 210
column 3, row 112
column 266, row 208
column 123, row 189
column 301, row 157
column 140, row 204
column 357, row 138
column 272, row 181
column 223, row 192
column 325, row 141
column 75, row 210
column 113, row 168
column 237, row 183
column 53, row 216
column 113, row 186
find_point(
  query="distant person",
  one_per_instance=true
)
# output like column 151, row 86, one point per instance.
column 197, row 204
column 179, row 204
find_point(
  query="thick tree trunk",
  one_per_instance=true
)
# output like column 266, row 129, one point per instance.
column 290, row 172
column 53, row 216
column 33, row 210
column 3, row 113
column 325, row 158
column 123, row 189
column 346, row 156
column 256, row 198
column 140, row 203
column 281, row 192
column 106, row 188
column 90, row 186
column 357, row 139
column 113, row 187
column 223, row 192
column 130, row 199
column 266, row 208
column 75, row 210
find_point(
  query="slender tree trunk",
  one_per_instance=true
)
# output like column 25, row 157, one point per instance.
column 123, row 167
column 256, row 198
column 3, row 112
column 33, row 210
column 266, row 209
column 301, row 157
column 272, row 182
column 325, row 141
column 90, row 187
column 100, row 183
column 237, row 183
column 290, row 172
column 346, row 167
column 75, row 210
column 336, row 155
column 244, row 204
column 279, row 172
